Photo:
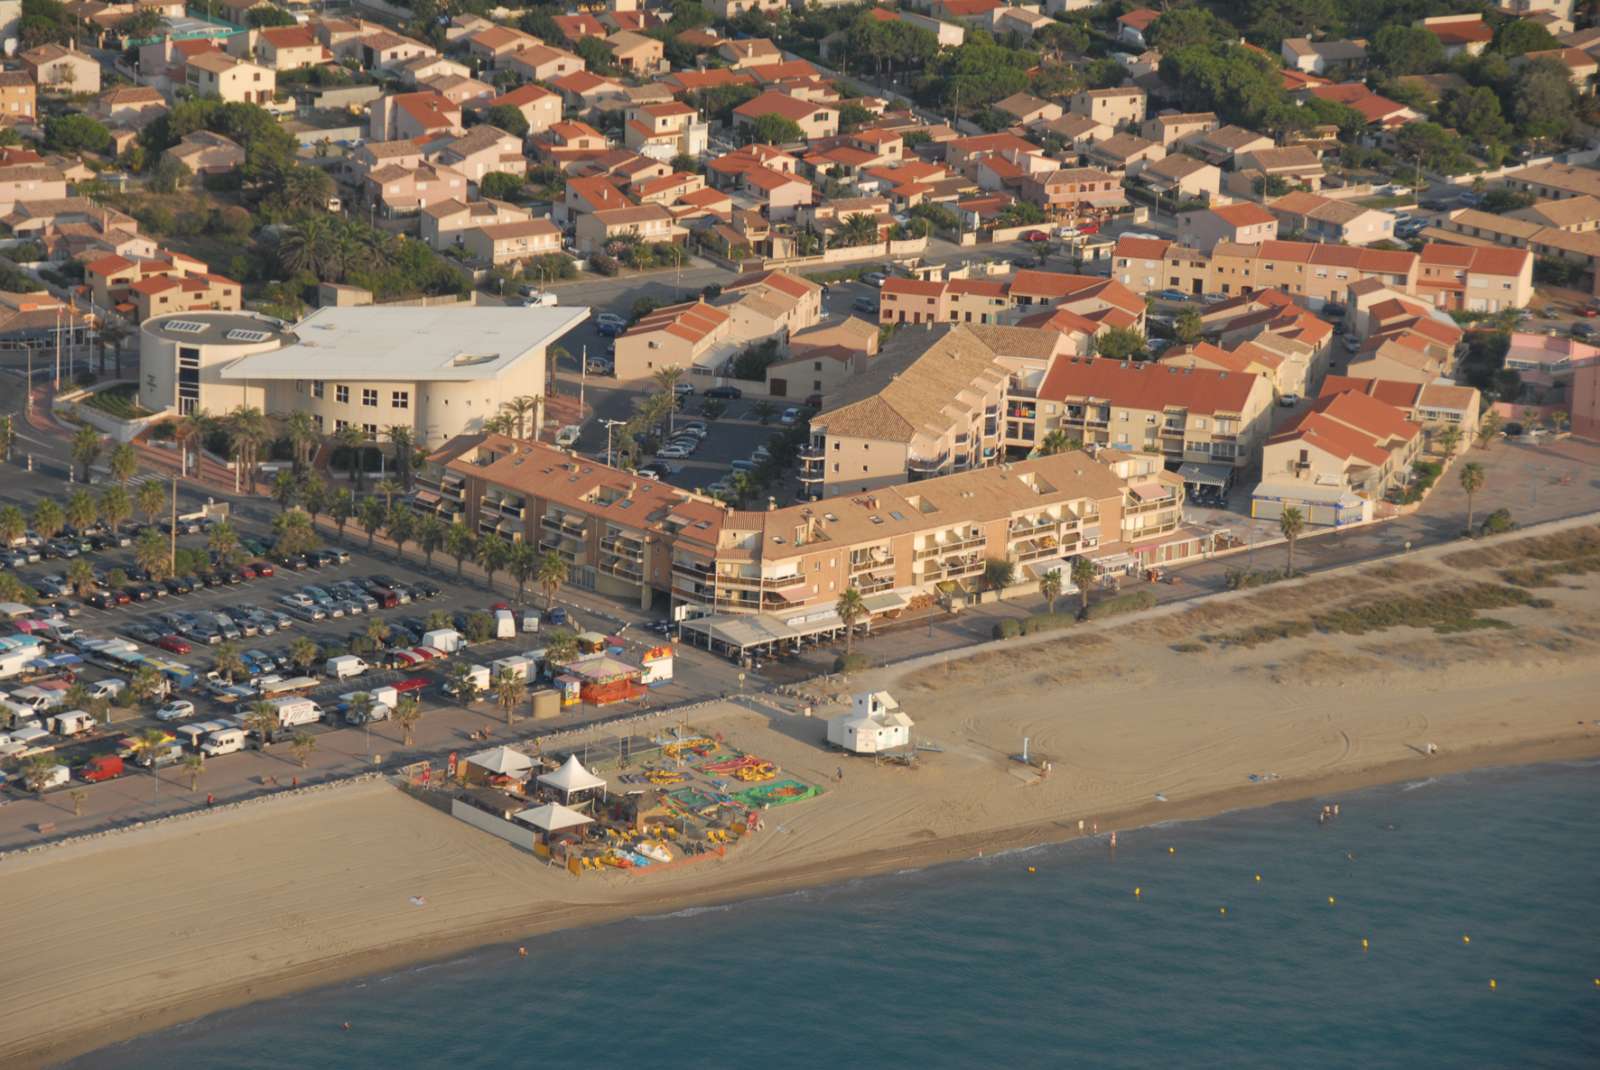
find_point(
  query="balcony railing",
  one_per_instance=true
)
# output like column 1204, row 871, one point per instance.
column 930, row 464
column 941, row 549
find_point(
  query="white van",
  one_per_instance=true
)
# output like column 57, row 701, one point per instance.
column 530, row 620
column 505, row 625
column 190, row 735
column 345, row 666
column 226, row 741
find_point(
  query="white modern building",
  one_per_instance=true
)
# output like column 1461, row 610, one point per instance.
column 440, row 370
column 874, row 724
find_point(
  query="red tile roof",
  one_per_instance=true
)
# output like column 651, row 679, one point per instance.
column 1142, row 385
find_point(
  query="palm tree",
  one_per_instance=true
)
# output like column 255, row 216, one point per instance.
column 1050, row 588
column 303, row 744
column 223, row 542
column 194, row 765
column 8, row 437
column 151, row 498
column 370, row 515
column 850, row 608
column 303, row 652
column 763, row 410
column 461, row 683
column 146, row 683
column 741, row 485
column 1449, row 439
column 85, row 449
column 493, row 553
column 388, row 488
column 400, row 525
column 307, row 247
column 406, row 714
column 668, row 379
column 293, row 532
column 80, row 511
column 47, row 519
column 13, row 525
column 352, row 439
column 458, row 544
column 152, row 552
column 191, row 434
column 1489, row 429
column 226, row 662
column 1082, row 579
column 14, row 590
column 247, row 431
column 341, row 507
column 114, row 506
column 859, row 228
column 1473, row 478
column 80, row 576
column 550, row 574
column 509, row 689
column 535, row 413
column 522, row 564
column 1291, row 523
column 303, row 435
column 313, row 495
column 519, row 408
column 400, row 440
column 124, row 462
column 151, row 742
column 437, row 619
column 263, row 720
column 430, row 536
column 1057, row 441
column 285, row 489
column 377, row 632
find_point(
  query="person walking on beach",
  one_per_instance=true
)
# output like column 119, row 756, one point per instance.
column 838, row 774
column 210, row 799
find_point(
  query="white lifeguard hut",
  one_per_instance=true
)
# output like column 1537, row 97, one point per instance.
column 874, row 724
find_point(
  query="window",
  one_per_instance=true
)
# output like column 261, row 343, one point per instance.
column 371, row 430
column 340, row 425
column 341, row 394
column 317, row 387
column 369, row 397
column 400, row 399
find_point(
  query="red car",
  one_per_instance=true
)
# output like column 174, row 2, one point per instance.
column 248, row 572
column 261, row 568
column 176, row 644
column 1035, row 235
column 1589, row 312
column 1089, row 228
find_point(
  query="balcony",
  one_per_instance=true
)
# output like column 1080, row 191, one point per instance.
column 767, row 583
column 809, row 474
column 811, row 452
column 942, row 549
column 622, row 567
column 870, row 561
column 572, row 527
column 919, row 465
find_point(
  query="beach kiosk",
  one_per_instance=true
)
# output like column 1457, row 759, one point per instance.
column 656, row 666
column 497, row 766
column 572, row 781
column 603, row 679
column 874, row 724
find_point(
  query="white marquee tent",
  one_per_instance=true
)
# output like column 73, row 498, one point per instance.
column 552, row 817
column 502, row 761
column 571, row 778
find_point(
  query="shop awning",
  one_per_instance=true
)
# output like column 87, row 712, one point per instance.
column 1206, row 475
column 885, row 601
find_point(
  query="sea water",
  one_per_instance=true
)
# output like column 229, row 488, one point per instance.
column 1046, row 958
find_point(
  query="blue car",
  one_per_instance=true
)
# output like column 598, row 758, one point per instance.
column 1170, row 295
column 557, row 616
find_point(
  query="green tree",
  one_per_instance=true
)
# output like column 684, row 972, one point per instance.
column 1473, row 477
column 76, row 133
column 124, row 462
column 1399, row 49
column 400, row 524
column 38, row 771
column 153, row 553
column 13, row 525
column 508, row 117
column 1291, row 522
column 285, row 489
column 80, row 577
column 429, row 535
column 114, row 506
column 773, row 129
column 1188, row 326
column 406, row 714
column 1057, row 441
column 146, row 684
column 1082, row 578
column 998, row 573
column 223, row 542
column 152, row 500
column 354, row 442
column 1474, row 111
column 47, row 519
column 1050, row 589
column 1544, row 103
column 1119, row 343
column 227, row 663
column 303, row 744
column 304, row 652
column 341, row 507
column 522, row 564
column 263, row 720
column 194, row 765
column 293, row 533
column 370, row 515
column 1514, row 37
column 80, row 512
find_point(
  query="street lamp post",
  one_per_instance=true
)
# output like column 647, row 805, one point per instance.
column 609, row 425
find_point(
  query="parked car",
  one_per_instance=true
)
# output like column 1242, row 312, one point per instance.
column 609, row 323
column 1035, row 236
column 865, row 304
column 790, row 415
column 1170, row 295
column 672, row 452
column 176, row 710
column 174, row 644
column 726, row 393
column 875, row 278
column 1289, row 401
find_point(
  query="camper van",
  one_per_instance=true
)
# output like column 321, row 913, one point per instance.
column 225, row 741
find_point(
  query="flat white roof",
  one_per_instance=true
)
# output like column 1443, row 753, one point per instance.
column 446, row 343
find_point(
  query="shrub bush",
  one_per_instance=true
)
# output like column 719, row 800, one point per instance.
column 850, row 663
column 1496, row 522
column 604, row 265
column 1007, row 629
column 1048, row 622
column 1122, row 603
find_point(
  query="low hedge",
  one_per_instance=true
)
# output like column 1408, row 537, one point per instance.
column 850, row 663
column 1007, row 629
column 1048, row 622
column 1122, row 603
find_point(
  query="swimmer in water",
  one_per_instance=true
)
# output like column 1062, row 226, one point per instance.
column 346, row 1027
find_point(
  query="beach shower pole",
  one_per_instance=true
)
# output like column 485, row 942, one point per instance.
column 1024, row 750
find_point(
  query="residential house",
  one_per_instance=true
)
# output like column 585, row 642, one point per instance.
column 498, row 244
column 918, row 301
column 1219, row 144
column 159, row 294
column 814, row 119
column 822, row 359
column 131, row 106
column 1383, row 115
column 286, row 48
column 1027, row 109
column 1168, row 128
column 1460, row 34
column 1148, row 264
column 690, row 336
column 401, row 116
column 481, row 151
column 1576, row 215
column 1435, row 406
column 770, row 305
column 1475, row 278
column 1075, row 192
column 662, row 131
column 1124, row 154
column 637, row 54
column 541, row 63
column 63, row 69
column 1339, row 222
column 1182, row 178
column 1133, row 26
column 232, row 80
column 1077, row 131
column 1245, row 223
column 1343, row 445
column 18, row 96
column 586, row 91
column 443, row 223
column 1321, row 57
column 1293, row 166
column 1549, row 360
column 1581, row 66
column 1122, row 106
column 495, row 44
column 409, row 190
column 538, row 105
column 205, row 153
column 646, row 222
column 1312, row 271
column 1553, row 181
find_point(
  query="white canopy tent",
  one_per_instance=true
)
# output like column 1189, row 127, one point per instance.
column 502, row 761
column 552, row 817
column 572, row 777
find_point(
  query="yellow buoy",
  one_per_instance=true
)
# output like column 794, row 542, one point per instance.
column 1030, row 869
column 1330, row 900
column 1363, row 943
column 1137, row 892
column 1222, row 910
column 1465, row 939
column 1172, row 850
column 1492, row 983
column 1258, row 878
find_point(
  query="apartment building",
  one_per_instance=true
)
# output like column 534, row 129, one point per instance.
column 1317, row 272
column 1345, row 444
column 1148, row 264
column 1474, row 278
column 662, row 131
column 1319, row 218
column 619, row 534
column 916, row 301
column 688, row 336
column 1074, row 193
column 1183, row 414
column 1435, row 406
column 444, row 223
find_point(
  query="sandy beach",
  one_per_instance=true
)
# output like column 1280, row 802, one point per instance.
column 124, row 934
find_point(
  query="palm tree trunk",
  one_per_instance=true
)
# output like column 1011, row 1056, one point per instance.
column 1469, row 513
column 1291, row 555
